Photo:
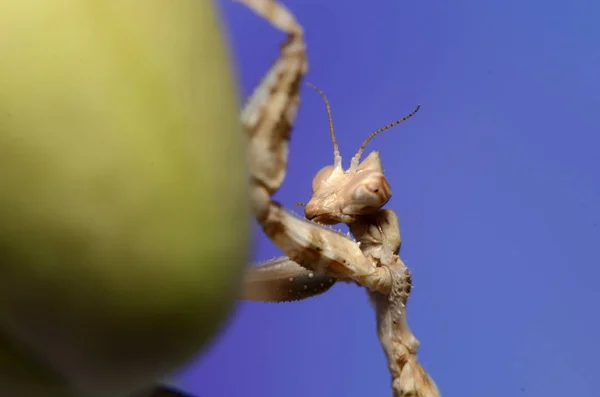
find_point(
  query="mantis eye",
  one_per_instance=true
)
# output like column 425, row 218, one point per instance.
column 366, row 193
column 322, row 175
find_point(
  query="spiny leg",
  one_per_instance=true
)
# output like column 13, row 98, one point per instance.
column 323, row 250
column 283, row 280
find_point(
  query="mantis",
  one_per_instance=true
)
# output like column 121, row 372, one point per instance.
column 316, row 255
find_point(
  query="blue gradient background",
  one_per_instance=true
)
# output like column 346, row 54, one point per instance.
column 495, row 181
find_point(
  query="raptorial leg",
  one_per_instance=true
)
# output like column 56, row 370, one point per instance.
column 283, row 280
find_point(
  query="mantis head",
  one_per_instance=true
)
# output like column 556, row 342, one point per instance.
column 343, row 196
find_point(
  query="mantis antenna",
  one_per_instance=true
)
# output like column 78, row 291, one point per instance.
column 361, row 149
column 337, row 159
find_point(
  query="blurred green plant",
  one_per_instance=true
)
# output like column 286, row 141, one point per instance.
column 124, row 222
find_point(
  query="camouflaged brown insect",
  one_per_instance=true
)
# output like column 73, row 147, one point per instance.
column 318, row 256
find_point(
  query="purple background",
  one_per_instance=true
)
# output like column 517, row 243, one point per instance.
column 495, row 182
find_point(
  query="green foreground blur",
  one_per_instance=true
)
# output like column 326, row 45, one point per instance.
column 124, row 223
